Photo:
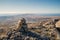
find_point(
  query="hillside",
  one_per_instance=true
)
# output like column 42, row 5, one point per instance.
column 29, row 27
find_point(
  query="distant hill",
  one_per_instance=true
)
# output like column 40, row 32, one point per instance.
column 29, row 17
column 36, row 14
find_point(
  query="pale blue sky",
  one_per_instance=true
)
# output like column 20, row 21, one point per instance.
column 29, row 6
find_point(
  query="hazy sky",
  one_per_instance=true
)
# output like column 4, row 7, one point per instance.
column 29, row 6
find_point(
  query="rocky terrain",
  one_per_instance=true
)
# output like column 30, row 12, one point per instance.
column 47, row 29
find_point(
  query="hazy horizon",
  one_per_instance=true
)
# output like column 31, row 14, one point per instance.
column 39, row 14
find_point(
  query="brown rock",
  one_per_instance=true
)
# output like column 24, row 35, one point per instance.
column 58, row 24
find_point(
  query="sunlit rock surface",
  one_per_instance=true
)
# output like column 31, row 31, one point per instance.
column 58, row 24
column 37, row 31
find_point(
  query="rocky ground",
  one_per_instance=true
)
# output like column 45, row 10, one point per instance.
column 45, row 30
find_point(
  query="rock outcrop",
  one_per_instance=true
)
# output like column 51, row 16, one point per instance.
column 21, row 29
column 22, row 25
column 46, row 31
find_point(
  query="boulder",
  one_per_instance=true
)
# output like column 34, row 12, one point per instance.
column 58, row 24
